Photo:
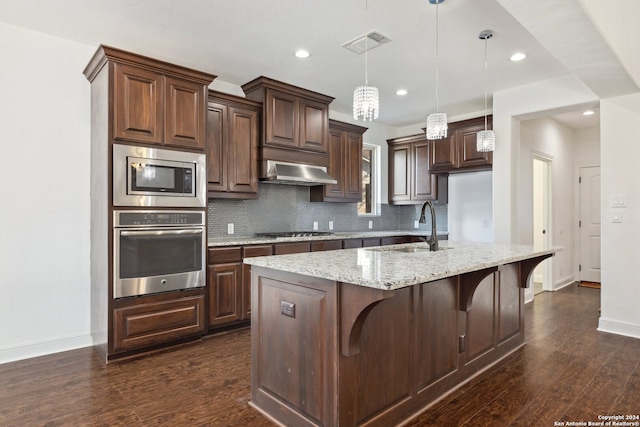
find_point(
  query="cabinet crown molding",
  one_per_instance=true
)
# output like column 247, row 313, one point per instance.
column 108, row 53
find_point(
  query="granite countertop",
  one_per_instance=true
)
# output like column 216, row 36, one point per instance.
column 385, row 268
column 340, row 235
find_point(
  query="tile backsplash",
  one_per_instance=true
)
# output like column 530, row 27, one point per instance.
column 287, row 208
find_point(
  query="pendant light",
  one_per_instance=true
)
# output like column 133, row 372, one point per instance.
column 436, row 122
column 486, row 139
column 366, row 103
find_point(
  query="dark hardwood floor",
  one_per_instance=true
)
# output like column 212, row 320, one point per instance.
column 567, row 371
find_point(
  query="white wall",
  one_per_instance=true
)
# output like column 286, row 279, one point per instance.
column 620, row 298
column 44, row 168
column 546, row 138
column 470, row 208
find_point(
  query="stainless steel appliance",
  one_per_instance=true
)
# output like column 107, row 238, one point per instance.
column 153, row 177
column 158, row 251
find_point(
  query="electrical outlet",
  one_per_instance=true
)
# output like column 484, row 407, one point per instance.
column 330, row 225
column 230, row 228
column 315, row 225
column 370, row 225
column 416, row 224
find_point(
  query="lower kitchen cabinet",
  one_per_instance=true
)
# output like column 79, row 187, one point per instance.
column 250, row 251
column 291, row 248
column 224, row 279
column 326, row 245
column 148, row 321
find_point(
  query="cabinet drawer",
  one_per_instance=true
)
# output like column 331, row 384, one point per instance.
column 326, row 246
column 370, row 242
column 291, row 248
column 262, row 250
column 352, row 243
column 395, row 240
column 224, row 255
column 157, row 322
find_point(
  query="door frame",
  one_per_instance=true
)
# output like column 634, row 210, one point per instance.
column 547, row 265
column 576, row 216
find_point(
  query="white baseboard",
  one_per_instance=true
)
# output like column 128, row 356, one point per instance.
column 619, row 328
column 11, row 354
column 563, row 283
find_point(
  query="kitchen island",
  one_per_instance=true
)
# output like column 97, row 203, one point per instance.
column 372, row 336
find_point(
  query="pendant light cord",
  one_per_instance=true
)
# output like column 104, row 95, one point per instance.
column 437, row 3
column 366, row 43
column 485, row 83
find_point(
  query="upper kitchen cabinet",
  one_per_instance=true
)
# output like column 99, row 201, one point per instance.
column 154, row 102
column 345, row 165
column 410, row 180
column 295, row 121
column 457, row 152
column 233, row 131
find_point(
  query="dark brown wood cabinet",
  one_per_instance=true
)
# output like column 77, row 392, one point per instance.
column 157, row 103
column 457, row 152
column 233, row 126
column 148, row 321
column 410, row 180
column 137, row 100
column 224, row 279
column 345, row 165
column 250, row 251
column 295, row 122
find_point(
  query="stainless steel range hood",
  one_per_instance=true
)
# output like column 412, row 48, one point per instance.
column 297, row 174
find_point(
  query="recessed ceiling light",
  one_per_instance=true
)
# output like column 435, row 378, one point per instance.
column 518, row 57
column 587, row 113
column 302, row 53
column 401, row 92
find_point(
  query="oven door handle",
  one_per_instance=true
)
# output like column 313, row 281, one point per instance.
column 162, row 232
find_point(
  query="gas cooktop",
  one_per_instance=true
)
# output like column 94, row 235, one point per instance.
column 294, row 234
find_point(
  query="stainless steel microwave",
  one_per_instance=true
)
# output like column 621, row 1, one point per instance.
column 153, row 177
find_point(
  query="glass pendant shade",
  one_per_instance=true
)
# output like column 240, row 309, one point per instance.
column 437, row 126
column 366, row 103
column 486, row 141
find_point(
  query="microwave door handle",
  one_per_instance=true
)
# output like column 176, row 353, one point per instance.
column 159, row 232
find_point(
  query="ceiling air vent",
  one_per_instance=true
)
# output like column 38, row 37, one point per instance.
column 373, row 40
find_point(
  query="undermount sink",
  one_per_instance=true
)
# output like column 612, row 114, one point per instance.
column 408, row 249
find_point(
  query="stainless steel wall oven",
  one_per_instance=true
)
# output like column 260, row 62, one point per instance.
column 158, row 251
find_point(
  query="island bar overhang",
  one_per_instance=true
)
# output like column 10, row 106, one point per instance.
column 332, row 353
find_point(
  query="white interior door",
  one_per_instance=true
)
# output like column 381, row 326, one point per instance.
column 541, row 207
column 589, row 263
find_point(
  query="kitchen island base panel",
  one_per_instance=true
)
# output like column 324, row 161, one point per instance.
column 356, row 356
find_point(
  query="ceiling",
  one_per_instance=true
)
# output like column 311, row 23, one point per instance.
column 241, row 40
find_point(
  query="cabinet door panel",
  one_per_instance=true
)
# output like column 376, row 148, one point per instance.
column 243, row 160
column 224, row 293
column 282, row 119
column 153, row 323
column 353, row 167
column 424, row 184
column 138, row 100
column 443, row 156
column 336, row 165
column 184, row 113
column 261, row 250
column 314, row 124
column 215, row 147
column 399, row 170
column 468, row 155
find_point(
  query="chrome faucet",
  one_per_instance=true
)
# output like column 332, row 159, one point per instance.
column 433, row 239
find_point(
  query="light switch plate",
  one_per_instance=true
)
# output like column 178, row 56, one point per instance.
column 230, row 228
column 616, row 216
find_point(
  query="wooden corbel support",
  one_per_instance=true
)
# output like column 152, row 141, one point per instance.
column 355, row 304
column 526, row 267
column 468, row 284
